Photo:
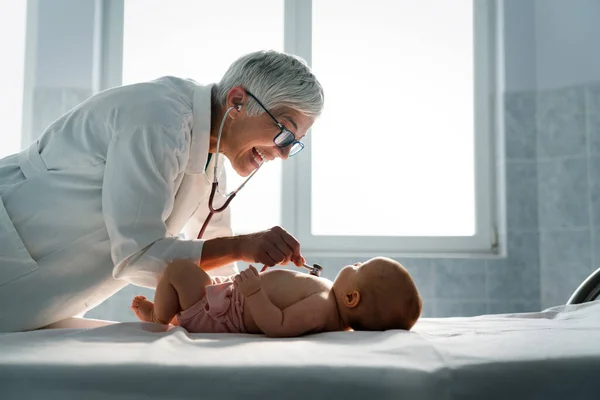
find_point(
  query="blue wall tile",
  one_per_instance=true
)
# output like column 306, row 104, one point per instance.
column 460, row 279
column 561, row 123
column 594, row 165
column 459, row 308
column 517, row 276
column 592, row 111
column 596, row 247
column 522, row 195
column 565, row 248
column 513, row 306
column 520, row 125
column 559, row 284
column 563, row 193
column 566, row 260
column 422, row 272
column 428, row 308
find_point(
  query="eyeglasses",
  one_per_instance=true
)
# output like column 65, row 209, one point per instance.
column 285, row 137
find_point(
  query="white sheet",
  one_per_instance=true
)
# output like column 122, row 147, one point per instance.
column 553, row 354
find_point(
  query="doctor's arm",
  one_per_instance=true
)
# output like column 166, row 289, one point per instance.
column 138, row 194
column 270, row 247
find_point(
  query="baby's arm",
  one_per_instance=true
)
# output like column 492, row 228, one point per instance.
column 296, row 320
column 301, row 317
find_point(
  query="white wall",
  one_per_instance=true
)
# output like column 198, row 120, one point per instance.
column 567, row 42
column 60, row 61
column 551, row 43
column 65, row 43
column 13, row 19
column 519, row 45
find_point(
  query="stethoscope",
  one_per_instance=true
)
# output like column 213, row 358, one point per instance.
column 314, row 270
column 215, row 184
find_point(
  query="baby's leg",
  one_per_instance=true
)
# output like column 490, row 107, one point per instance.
column 181, row 286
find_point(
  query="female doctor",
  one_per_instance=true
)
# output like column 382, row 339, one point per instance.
column 100, row 199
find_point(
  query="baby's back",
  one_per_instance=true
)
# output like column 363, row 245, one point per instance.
column 284, row 288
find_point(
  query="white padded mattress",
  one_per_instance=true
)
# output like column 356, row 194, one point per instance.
column 552, row 355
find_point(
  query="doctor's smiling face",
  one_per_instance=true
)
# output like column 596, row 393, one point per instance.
column 248, row 140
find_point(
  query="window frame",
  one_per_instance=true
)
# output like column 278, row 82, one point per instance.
column 296, row 171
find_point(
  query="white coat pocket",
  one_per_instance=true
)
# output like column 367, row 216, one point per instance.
column 15, row 260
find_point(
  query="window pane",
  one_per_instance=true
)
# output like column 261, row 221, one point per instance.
column 199, row 40
column 12, row 44
column 393, row 154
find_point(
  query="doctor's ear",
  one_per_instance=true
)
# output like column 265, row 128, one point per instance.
column 236, row 98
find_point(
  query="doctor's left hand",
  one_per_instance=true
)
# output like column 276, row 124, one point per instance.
column 271, row 247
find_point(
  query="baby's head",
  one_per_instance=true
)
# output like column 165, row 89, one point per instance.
column 377, row 295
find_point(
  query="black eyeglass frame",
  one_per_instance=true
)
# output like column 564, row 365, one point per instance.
column 293, row 142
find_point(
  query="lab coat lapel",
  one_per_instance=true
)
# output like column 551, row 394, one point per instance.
column 194, row 188
column 193, row 192
column 187, row 199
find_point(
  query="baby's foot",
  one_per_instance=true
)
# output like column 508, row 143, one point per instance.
column 143, row 308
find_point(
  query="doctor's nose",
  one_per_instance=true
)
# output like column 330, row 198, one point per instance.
column 284, row 153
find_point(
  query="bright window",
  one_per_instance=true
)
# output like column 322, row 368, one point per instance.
column 199, row 40
column 394, row 147
column 12, row 45
column 401, row 160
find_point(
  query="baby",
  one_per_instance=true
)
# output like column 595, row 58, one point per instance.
column 376, row 295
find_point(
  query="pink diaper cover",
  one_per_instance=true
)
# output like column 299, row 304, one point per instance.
column 219, row 311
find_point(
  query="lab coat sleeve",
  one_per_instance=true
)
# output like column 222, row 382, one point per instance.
column 219, row 226
column 137, row 197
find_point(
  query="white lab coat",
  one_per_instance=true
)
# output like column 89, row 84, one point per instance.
column 100, row 199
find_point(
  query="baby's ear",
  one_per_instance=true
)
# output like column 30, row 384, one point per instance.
column 352, row 299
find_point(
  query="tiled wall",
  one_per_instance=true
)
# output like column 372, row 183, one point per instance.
column 568, row 146
column 552, row 163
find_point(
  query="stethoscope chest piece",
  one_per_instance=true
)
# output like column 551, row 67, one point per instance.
column 314, row 270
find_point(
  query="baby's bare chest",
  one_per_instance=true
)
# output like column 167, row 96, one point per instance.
column 285, row 288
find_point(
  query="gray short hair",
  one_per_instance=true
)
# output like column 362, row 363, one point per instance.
column 277, row 80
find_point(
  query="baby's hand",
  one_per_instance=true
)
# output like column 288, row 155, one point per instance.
column 248, row 281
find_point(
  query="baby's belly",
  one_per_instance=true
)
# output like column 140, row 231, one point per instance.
column 284, row 288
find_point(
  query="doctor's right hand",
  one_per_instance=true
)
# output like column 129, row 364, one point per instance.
column 271, row 247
